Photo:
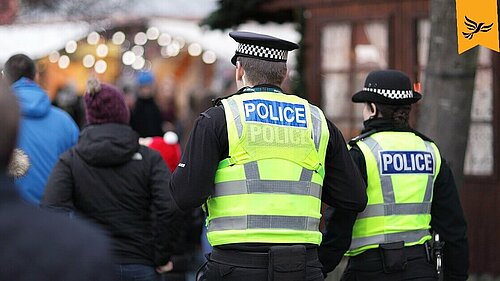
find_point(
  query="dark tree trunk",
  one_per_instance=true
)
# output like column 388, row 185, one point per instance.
column 449, row 84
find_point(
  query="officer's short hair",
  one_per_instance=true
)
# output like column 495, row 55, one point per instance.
column 263, row 72
column 19, row 66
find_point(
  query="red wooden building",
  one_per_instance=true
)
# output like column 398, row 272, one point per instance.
column 345, row 39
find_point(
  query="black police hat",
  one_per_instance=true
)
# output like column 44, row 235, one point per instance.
column 387, row 87
column 261, row 46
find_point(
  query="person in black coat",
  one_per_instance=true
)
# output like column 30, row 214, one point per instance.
column 146, row 118
column 114, row 182
column 36, row 244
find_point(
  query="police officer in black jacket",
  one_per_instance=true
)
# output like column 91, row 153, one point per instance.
column 401, row 168
column 192, row 182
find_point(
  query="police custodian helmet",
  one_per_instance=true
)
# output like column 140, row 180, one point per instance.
column 391, row 87
column 261, row 46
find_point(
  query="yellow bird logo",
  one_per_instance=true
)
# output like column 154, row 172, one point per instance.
column 475, row 28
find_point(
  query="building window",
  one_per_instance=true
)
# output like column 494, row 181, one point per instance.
column 479, row 152
column 350, row 50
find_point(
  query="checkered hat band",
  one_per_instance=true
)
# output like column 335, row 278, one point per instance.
column 392, row 94
column 262, row 52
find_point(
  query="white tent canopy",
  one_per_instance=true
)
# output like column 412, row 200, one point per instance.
column 38, row 32
column 38, row 40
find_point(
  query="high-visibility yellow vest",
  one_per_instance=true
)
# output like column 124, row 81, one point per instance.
column 269, row 189
column 401, row 169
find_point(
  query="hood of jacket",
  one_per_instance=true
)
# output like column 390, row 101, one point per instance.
column 33, row 100
column 107, row 144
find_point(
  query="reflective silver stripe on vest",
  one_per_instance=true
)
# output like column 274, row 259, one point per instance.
column 251, row 171
column 378, row 210
column 267, row 186
column 306, row 175
column 316, row 121
column 430, row 180
column 236, row 115
column 385, row 180
column 408, row 237
column 263, row 221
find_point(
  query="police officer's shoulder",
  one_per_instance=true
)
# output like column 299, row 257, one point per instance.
column 313, row 105
column 354, row 148
column 218, row 101
column 422, row 136
column 215, row 112
column 360, row 137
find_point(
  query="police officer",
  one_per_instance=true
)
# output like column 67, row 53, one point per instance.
column 262, row 161
column 411, row 192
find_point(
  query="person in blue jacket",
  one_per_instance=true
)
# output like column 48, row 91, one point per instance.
column 45, row 131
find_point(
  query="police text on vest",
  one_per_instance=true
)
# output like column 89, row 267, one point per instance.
column 275, row 112
column 406, row 162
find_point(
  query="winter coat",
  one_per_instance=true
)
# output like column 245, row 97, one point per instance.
column 122, row 186
column 146, row 118
column 45, row 133
column 171, row 153
column 43, row 246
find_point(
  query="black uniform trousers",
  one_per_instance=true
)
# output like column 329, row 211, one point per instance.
column 369, row 266
column 232, row 265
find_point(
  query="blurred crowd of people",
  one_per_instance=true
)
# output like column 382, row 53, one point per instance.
column 95, row 166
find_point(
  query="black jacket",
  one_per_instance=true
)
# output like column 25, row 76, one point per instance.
column 447, row 217
column 43, row 246
column 122, row 186
column 146, row 118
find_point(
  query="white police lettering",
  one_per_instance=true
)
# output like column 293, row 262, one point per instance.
column 406, row 162
column 262, row 110
column 301, row 115
column 249, row 107
column 386, row 161
column 275, row 135
column 275, row 113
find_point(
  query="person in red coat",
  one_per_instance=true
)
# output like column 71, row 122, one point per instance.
column 168, row 146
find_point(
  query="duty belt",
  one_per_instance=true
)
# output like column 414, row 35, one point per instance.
column 251, row 259
column 374, row 254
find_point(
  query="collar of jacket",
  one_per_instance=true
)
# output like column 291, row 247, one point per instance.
column 381, row 124
column 257, row 88
column 261, row 88
column 375, row 125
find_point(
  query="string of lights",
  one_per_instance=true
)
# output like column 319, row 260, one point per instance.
column 132, row 51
